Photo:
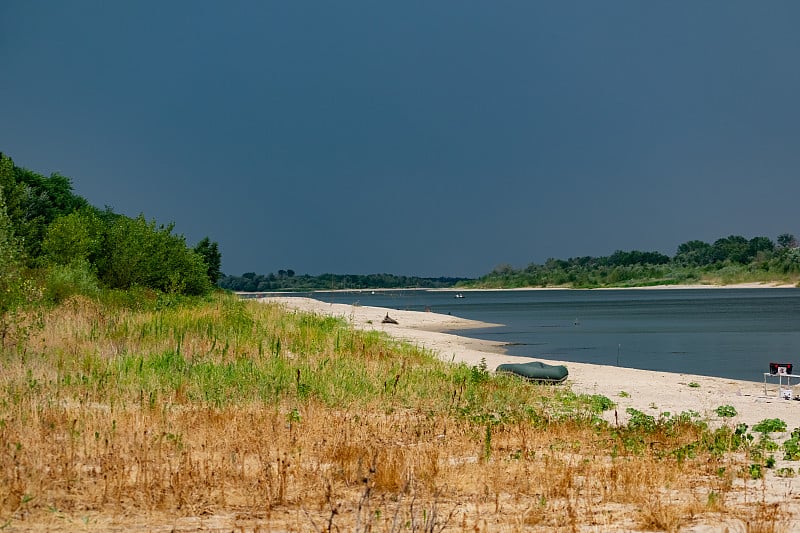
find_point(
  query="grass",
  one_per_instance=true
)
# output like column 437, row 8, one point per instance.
column 113, row 416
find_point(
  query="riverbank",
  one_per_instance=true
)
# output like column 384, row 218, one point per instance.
column 646, row 391
column 685, row 286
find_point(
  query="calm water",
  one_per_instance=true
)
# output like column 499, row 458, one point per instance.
column 731, row 333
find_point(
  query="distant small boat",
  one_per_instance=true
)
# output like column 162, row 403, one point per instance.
column 459, row 295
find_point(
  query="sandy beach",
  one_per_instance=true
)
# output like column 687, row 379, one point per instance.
column 647, row 391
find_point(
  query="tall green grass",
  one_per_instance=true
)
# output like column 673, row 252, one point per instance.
column 229, row 352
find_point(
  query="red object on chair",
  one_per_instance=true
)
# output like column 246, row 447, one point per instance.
column 774, row 368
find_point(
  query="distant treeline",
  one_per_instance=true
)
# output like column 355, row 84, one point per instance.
column 727, row 260
column 732, row 259
column 286, row 280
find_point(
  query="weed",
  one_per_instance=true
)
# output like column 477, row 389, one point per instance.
column 726, row 411
column 480, row 372
column 770, row 425
column 791, row 446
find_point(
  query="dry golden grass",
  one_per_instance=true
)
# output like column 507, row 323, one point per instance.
column 245, row 424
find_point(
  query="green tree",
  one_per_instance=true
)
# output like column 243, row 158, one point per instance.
column 694, row 253
column 139, row 253
column 10, row 267
column 734, row 248
column 209, row 251
column 34, row 201
column 760, row 245
column 13, row 192
column 77, row 236
column 14, row 289
column 787, row 240
column 44, row 200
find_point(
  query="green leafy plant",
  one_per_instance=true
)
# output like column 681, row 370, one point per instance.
column 791, row 446
column 770, row 425
column 480, row 372
column 599, row 403
column 726, row 411
column 640, row 421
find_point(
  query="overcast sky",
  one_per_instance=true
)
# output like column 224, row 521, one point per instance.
column 431, row 138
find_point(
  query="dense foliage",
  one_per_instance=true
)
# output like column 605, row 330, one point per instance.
column 728, row 260
column 286, row 280
column 53, row 243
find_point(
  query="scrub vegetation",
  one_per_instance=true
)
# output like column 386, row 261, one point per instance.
column 215, row 412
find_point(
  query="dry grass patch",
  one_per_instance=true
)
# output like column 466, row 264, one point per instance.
column 236, row 415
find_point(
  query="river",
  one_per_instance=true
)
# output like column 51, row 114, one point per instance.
column 732, row 333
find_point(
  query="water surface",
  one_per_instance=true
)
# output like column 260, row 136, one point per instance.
column 731, row 333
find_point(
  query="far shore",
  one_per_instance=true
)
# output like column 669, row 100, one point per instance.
column 650, row 392
column 748, row 285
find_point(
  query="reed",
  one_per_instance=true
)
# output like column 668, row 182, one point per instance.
column 231, row 414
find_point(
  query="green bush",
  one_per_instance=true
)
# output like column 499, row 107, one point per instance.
column 63, row 281
column 726, row 411
column 770, row 425
column 139, row 253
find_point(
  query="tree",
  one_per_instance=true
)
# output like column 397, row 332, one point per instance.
column 694, row 253
column 787, row 240
column 13, row 287
column 209, row 251
column 734, row 248
column 138, row 253
column 40, row 202
column 760, row 245
column 75, row 237
column 10, row 264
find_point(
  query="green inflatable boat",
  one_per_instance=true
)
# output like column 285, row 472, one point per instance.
column 536, row 371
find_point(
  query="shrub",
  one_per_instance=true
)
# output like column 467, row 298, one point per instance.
column 726, row 411
column 63, row 281
column 770, row 425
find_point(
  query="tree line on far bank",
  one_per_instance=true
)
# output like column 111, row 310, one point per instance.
column 286, row 280
column 732, row 259
column 54, row 244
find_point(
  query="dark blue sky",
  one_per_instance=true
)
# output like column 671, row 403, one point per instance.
column 418, row 138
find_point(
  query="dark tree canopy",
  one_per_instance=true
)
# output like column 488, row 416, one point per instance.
column 212, row 258
column 787, row 240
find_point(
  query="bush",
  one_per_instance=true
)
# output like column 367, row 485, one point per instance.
column 63, row 281
column 770, row 425
column 138, row 253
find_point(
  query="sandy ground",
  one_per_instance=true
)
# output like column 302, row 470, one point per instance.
column 650, row 392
